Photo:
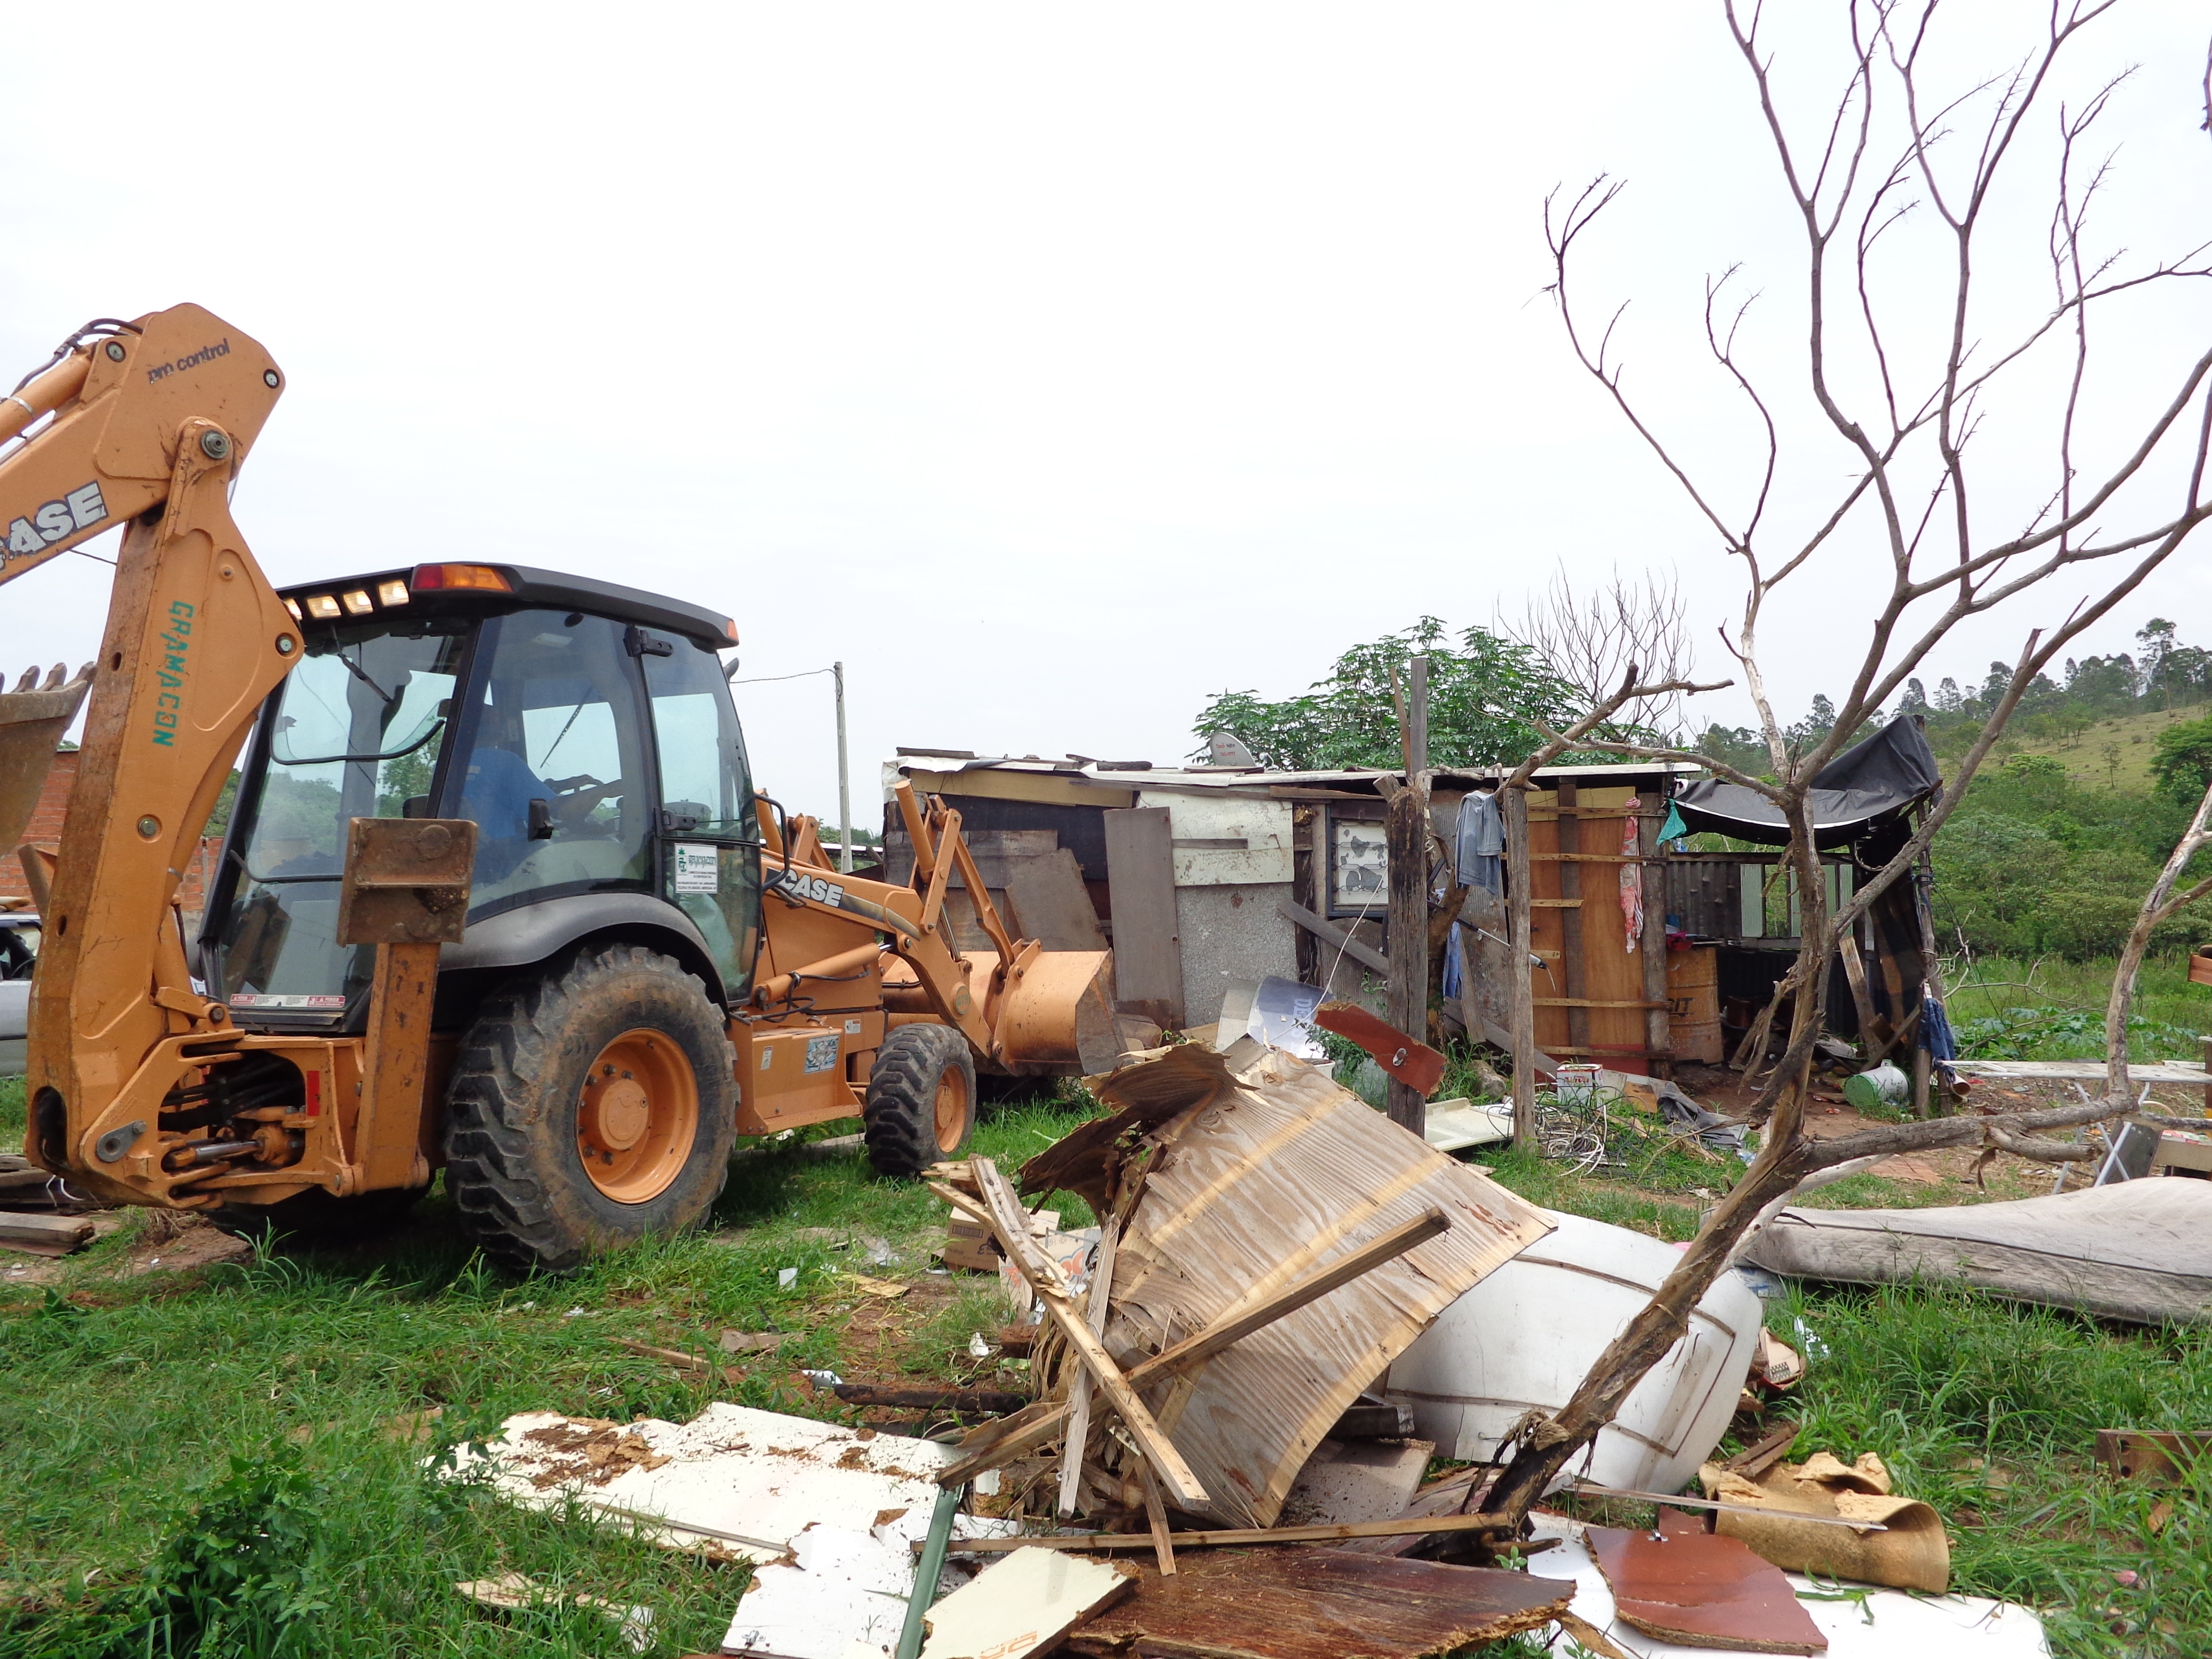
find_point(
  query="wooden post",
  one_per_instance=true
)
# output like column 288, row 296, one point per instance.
column 1417, row 734
column 1517, row 976
column 1406, row 829
column 1924, row 1102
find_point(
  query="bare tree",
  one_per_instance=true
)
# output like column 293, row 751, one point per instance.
column 1598, row 639
column 2158, row 904
column 1906, row 521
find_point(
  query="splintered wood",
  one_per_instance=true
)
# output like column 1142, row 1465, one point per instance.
column 1279, row 1245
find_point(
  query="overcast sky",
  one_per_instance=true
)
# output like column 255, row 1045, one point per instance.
column 1054, row 368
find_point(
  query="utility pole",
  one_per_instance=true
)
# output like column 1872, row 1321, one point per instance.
column 844, row 780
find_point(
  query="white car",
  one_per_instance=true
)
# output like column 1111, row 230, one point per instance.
column 19, row 954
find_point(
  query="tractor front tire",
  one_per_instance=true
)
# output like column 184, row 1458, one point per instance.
column 920, row 1103
column 590, row 1106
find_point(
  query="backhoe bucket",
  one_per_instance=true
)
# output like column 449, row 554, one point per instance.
column 33, row 717
column 1059, row 1011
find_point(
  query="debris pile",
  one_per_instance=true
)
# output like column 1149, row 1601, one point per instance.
column 1289, row 1308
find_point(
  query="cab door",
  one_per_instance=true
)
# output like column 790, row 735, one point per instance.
column 709, row 838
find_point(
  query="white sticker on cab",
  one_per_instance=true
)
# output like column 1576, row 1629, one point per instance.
column 698, row 869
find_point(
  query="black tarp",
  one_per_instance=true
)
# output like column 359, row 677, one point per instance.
column 1867, row 783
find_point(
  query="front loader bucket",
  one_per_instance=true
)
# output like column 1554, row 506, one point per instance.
column 33, row 717
column 1059, row 1011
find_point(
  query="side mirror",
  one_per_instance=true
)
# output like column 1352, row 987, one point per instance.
column 541, row 820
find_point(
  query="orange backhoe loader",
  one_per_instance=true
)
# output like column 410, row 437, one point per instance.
column 497, row 894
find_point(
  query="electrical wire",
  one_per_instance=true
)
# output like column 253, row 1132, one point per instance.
column 762, row 679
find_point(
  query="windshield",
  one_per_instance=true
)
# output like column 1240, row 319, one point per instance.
column 357, row 732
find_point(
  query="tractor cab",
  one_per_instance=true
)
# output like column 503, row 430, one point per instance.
column 586, row 728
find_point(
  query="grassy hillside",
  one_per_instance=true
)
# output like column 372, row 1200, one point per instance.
column 2113, row 753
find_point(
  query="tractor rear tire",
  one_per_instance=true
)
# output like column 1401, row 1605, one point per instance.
column 920, row 1103
column 590, row 1106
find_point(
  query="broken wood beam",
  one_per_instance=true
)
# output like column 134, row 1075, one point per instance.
column 1402, row 1526
column 1196, row 1350
column 1329, row 933
column 1010, row 1221
column 972, row 1401
column 1079, row 1394
column 1232, row 1537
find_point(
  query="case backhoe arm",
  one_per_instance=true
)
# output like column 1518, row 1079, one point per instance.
column 151, row 419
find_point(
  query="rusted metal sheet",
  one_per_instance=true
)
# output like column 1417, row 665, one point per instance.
column 1317, row 1604
column 1703, row 1591
column 406, row 881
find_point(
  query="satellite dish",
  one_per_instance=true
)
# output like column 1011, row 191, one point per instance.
column 1227, row 749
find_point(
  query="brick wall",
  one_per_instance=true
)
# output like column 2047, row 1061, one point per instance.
column 46, row 829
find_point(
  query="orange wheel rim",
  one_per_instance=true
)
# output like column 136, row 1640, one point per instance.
column 637, row 1115
column 951, row 1108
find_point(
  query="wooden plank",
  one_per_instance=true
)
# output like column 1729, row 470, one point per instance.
column 1141, row 883
column 1009, row 1221
column 1318, row 1604
column 1234, row 1325
column 1079, row 1394
column 1330, row 934
column 1574, row 952
column 53, row 1232
column 1051, row 905
column 1599, row 1002
column 1557, row 904
column 1595, row 858
column 1403, row 1525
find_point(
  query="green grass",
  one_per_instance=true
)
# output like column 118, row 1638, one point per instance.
column 12, row 1114
column 2049, row 1008
column 1989, row 1411
column 125, row 1400
column 122, row 1398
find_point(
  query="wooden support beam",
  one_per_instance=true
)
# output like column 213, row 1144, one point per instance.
column 1329, row 933
column 1010, row 1222
column 1195, row 1351
column 1407, row 831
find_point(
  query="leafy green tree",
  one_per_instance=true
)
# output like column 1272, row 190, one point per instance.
column 2182, row 762
column 1484, row 694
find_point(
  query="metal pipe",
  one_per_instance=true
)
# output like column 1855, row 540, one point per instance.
column 46, row 393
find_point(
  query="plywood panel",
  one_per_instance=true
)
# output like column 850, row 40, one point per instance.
column 1051, row 904
column 1147, row 942
column 1226, row 840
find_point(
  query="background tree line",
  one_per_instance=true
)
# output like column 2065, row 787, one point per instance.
column 2040, row 857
